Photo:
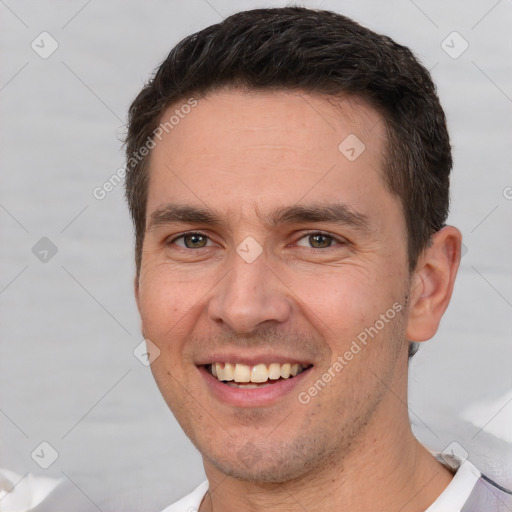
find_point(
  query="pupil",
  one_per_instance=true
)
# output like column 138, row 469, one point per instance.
column 194, row 241
column 319, row 241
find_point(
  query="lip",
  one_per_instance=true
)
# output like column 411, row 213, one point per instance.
column 257, row 397
column 251, row 360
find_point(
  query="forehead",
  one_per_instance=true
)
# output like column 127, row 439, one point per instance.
column 233, row 119
column 236, row 148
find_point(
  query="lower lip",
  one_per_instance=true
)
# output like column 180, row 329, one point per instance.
column 253, row 397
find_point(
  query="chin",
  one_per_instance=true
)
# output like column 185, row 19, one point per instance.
column 261, row 472
column 270, row 464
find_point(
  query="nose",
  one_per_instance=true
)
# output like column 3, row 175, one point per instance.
column 249, row 295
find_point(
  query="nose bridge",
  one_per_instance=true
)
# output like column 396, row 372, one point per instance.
column 249, row 294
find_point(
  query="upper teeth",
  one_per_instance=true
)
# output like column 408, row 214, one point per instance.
column 258, row 373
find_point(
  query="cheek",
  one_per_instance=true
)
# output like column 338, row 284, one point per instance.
column 167, row 308
column 340, row 301
column 164, row 302
column 345, row 306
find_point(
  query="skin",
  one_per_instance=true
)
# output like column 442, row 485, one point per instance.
column 241, row 155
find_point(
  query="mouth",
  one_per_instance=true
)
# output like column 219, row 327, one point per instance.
column 243, row 376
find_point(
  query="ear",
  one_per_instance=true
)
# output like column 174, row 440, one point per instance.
column 432, row 283
column 136, row 293
column 136, row 290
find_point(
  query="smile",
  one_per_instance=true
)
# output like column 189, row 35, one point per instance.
column 249, row 377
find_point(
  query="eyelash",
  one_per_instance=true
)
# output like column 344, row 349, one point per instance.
column 336, row 241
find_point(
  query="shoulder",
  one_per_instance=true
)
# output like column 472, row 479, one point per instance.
column 490, row 496
column 470, row 490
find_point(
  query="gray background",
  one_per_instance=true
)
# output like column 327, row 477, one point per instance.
column 69, row 324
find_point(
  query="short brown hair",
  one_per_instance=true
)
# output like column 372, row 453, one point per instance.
column 314, row 51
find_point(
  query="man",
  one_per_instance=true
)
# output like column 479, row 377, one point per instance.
column 288, row 175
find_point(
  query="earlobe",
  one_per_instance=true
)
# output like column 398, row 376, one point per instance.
column 432, row 283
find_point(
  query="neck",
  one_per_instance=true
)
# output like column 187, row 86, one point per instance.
column 386, row 469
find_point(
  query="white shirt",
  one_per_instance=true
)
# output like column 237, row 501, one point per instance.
column 452, row 499
column 457, row 493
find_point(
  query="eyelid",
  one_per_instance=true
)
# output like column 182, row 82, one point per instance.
column 338, row 239
column 173, row 238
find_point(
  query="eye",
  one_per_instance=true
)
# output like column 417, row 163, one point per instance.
column 318, row 240
column 192, row 241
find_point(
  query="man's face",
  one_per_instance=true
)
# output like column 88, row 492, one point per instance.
column 302, row 250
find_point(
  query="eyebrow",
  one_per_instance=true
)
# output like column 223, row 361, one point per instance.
column 336, row 213
column 182, row 213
